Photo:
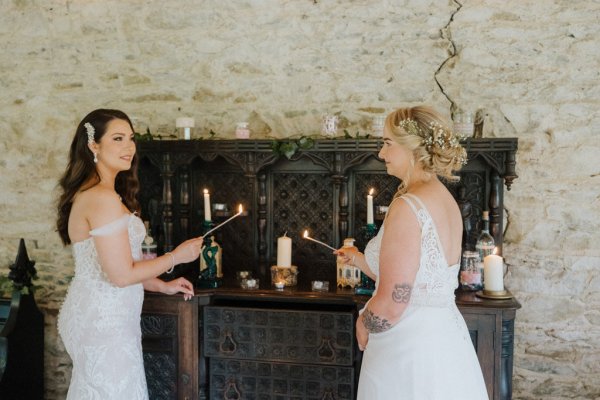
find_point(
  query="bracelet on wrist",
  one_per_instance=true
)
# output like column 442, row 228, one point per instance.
column 172, row 262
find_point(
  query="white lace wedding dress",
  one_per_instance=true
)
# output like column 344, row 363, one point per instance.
column 428, row 354
column 99, row 324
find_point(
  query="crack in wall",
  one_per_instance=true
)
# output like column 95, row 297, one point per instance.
column 446, row 34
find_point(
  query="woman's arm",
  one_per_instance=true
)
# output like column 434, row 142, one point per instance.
column 398, row 265
column 114, row 251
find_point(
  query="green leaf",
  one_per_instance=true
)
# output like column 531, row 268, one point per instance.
column 306, row 142
column 288, row 149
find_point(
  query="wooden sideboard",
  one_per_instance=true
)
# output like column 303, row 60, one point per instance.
column 323, row 189
column 230, row 343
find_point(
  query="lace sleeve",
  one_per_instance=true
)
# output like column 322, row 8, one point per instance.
column 112, row 227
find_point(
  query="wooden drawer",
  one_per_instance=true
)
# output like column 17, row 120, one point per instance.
column 314, row 337
column 255, row 380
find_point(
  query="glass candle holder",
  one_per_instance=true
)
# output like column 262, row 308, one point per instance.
column 319, row 286
column 463, row 123
column 242, row 131
column 330, row 125
column 250, row 284
column 287, row 275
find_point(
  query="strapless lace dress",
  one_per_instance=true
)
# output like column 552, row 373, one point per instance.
column 99, row 324
column 428, row 354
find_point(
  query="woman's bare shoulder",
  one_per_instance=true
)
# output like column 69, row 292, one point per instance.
column 98, row 203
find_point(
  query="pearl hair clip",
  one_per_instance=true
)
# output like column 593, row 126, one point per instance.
column 90, row 132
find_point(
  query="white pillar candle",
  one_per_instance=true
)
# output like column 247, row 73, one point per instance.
column 492, row 273
column 370, row 207
column 207, row 215
column 284, row 251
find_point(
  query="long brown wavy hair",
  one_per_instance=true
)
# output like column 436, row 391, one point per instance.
column 81, row 173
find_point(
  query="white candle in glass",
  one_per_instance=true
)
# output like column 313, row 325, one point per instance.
column 186, row 123
column 492, row 273
column 207, row 215
column 284, row 251
column 370, row 207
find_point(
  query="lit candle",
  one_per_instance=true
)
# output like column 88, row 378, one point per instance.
column 207, row 216
column 370, row 207
column 284, row 251
column 492, row 273
column 279, row 284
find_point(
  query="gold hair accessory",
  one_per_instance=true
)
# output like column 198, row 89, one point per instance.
column 436, row 135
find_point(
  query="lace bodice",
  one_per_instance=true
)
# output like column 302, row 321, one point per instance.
column 99, row 323
column 436, row 280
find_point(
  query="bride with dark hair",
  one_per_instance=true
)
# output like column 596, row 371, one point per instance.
column 99, row 321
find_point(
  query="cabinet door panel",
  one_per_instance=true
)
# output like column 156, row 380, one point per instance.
column 246, row 379
column 170, row 345
column 279, row 335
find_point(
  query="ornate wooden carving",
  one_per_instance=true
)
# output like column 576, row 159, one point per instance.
column 322, row 189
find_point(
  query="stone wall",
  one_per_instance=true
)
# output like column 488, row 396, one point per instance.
column 530, row 65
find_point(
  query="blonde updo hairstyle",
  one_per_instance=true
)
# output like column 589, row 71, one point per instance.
column 431, row 141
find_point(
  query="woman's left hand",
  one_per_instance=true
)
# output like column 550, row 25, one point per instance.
column 179, row 285
column 362, row 335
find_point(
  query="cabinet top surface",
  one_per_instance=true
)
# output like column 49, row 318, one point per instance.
column 266, row 145
column 336, row 296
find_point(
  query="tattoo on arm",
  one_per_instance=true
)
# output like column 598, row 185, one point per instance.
column 373, row 323
column 401, row 293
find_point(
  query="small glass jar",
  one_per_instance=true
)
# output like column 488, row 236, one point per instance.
column 330, row 125
column 149, row 251
column 464, row 124
column 377, row 125
column 470, row 271
column 242, row 131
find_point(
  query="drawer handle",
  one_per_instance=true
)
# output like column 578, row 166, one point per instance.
column 328, row 395
column 228, row 345
column 231, row 391
column 326, row 351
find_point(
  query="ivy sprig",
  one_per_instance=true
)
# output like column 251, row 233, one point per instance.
column 288, row 147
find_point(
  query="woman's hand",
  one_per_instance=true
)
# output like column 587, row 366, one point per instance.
column 362, row 335
column 188, row 251
column 179, row 285
column 348, row 255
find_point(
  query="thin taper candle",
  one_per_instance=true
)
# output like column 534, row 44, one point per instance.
column 224, row 222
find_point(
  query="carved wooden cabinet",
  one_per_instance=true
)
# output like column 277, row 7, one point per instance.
column 229, row 343
column 215, row 346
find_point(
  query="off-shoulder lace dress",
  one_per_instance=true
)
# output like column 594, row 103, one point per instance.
column 428, row 354
column 99, row 323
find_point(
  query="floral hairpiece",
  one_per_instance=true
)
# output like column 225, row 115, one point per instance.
column 435, row 136
column 90, row 132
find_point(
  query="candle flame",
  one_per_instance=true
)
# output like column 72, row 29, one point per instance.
column 205, row 191
column 496, row 251
column 371, row 192
column 240, row 209
column 305, row 233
